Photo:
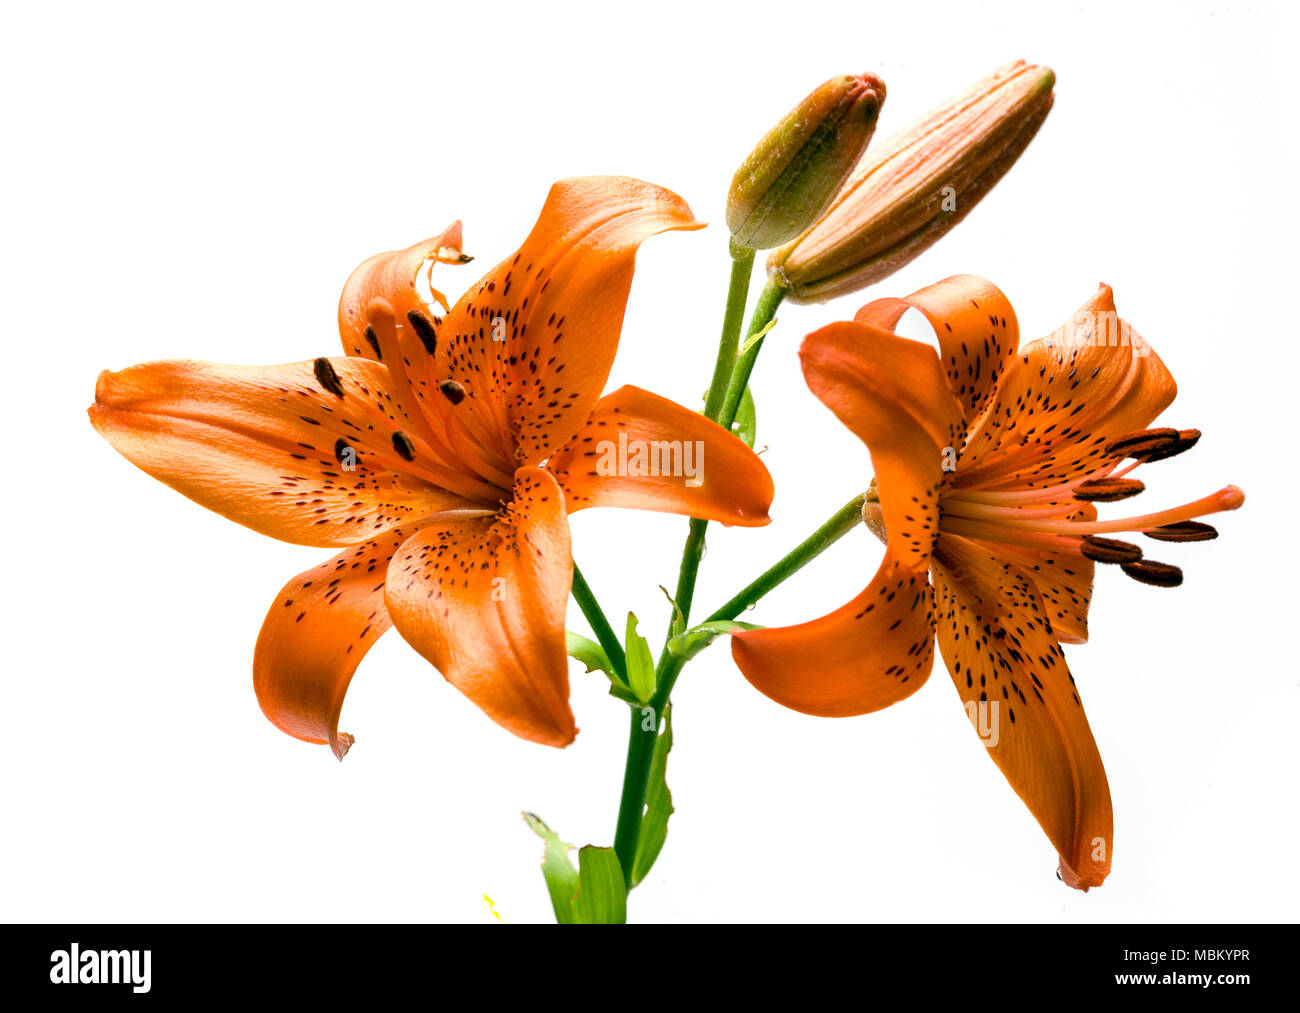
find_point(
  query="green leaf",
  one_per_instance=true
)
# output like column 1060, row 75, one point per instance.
column 640, row 664
column 697, row 638
column 745, row 425
column 592, row 894
column 561, row 877
column 659, row 805
column 679, row 620
column 589, row 653
column 594, row 657
column 602, row 896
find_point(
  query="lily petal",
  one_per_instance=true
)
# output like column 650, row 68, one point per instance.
column 1063, row 399
column 998, row 644
column 872, row 652
column 271, row 447
column 643, row 451
column 532, row 343
column 484, row 600
column 894, row 395
column 316, row 632
column 395, row 278
column 976, row 328
column 1063, row 580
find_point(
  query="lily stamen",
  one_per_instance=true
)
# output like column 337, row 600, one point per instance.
column 1228, row 498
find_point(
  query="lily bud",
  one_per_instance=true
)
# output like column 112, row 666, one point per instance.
column 908, row 192
column 799, row 166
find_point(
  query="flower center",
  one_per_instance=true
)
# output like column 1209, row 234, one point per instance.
column 1061, row 518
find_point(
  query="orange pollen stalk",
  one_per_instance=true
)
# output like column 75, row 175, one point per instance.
column 1056, row 518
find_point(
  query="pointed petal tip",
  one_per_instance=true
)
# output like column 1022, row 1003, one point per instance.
column 341, row 743
column 1095, row 875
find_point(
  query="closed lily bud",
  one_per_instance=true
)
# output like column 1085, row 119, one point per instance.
column 908, row 192
column 799, row 166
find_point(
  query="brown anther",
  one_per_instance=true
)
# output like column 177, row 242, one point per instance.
column 327, row 377
column 1155, row 574
column 1186, row 441
column 1107, row 490
column 424, row 330
column 1186, row 531
column 452, row 390
column 403, row 445
column 342, row 447
column 1109, row 550
column 1142, row 442
column 372, row 339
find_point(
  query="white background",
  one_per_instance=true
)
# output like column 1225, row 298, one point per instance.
column 198, row 181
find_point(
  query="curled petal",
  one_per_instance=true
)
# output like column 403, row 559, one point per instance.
column 894, row 395
column 315, row 634
column 643, row 451
column 873, row 652
column 976, row 327
column 401, row 279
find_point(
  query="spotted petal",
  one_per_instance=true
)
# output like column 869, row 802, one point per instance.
column 894, row 395
column 996, row 639
column 976, row 328
column 315, row 634
column 1063, row 399
column 532, row 343
column 873, row 652
column 274, row 448
column 484, row 601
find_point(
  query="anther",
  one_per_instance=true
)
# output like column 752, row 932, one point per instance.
column 327, row 377
column 1142, row 442
column 452, row 390
column 1185, row 531
column 1186, row 441
column 424, row 330
column 1107, row 490
column 372, row 339
column 1155, row 574
column 342, row 447
column 1109, row 550
column 403, row 445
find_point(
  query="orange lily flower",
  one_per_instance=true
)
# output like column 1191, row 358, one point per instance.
column 444, row 452
column 989, row 463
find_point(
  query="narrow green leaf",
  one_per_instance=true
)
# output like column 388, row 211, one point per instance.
column 589, row 653
column 659, row 805
column 594, row 657
column 562, row 880
column 745, row 424
column 697, row 638
column 640, row 664
column 602, row 896
column 679, row 620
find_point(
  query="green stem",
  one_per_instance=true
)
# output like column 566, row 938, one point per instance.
column 599, row 624
column 742, row 268
column 768, row 302
column 844, row 520
column 644, row 728
column 640, row 746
